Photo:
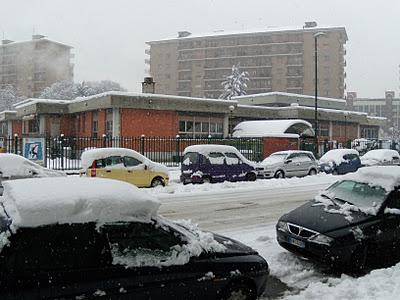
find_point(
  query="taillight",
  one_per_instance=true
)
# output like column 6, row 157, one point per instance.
column 93, row 169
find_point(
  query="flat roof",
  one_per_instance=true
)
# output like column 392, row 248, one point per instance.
column 289, row 95
column 16, row 43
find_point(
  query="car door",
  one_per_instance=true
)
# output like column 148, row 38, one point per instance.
column 304, row 163
column 291, row 165
column 152, row 263
column 218, row 169
column 137, row 172
column 234, row 166
column 111, row 167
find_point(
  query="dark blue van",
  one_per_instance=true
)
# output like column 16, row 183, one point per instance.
column 215, row 163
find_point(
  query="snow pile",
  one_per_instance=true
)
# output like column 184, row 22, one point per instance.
column 273, row 128
column 336, row 156
column 43, row 201
column 91, row 155
column 195, row 243
column 379, row 284
column 12, row 165
column 379, row 156
column 387, row 177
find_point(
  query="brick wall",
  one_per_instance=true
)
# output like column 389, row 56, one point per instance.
column 272, row 144
column 17, row 127
column 135, row 122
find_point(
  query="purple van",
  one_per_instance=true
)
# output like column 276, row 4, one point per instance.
column 215, row 163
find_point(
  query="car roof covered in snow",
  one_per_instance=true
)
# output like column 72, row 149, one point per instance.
column 44, row 201
column 380, row 154
column 91, row 155
column 292, row 151
column 13, row 165
column 387, row 177
column 336, row 155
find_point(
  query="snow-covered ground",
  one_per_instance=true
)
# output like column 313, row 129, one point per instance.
column 248, row 211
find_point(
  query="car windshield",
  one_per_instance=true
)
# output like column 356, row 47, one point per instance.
column 359, row 194
column 275, row 158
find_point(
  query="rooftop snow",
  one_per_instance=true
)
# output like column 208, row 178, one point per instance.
column 288, row 95
column 336, row 155
column 387, row 177
column 271, row 29
column 381, row 155
column 271, row 128
column 44, row 201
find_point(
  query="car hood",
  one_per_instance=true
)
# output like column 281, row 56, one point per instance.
column 233, row 247
column 316, row 218
column 370, row 161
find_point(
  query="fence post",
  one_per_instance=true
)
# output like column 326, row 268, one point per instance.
column 104, row 140
column 62, row 150
column 178, row 148
column 16, row 143
column 142, row 137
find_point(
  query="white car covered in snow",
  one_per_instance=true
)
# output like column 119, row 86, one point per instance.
column 14, row 166
column 380, row 157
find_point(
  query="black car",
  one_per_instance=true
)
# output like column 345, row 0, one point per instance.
column 353, row 225
column 153, row 259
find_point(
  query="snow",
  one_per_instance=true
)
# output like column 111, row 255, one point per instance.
column 387, row 177
column 270, row 128
column 379, row 156
column 290, row 95
column 235, row 84
column 336, row 155
column 36, row 202
column 12, row 165
column 91, row 155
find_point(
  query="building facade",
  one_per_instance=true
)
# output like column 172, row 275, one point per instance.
column 387, row 107
column 31, row 66
column 276, row 60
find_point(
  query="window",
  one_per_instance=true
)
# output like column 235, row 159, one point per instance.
column 109, row 122
column 53, row 247
column 232, row 159
column 131, row 161
column 216, row 158
column 95, row 124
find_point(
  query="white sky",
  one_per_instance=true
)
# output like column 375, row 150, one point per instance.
column 109, row 36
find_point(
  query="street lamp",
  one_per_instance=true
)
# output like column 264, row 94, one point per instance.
column 345, row 128
column 230, row 125
column 316, row 35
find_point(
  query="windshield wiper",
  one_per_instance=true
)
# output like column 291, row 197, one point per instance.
column 344, row 201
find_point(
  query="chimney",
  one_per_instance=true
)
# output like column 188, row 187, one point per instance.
column 37, row 36
column 5, row 42
column 310, row 24
column 148, row 85
column 182, row 34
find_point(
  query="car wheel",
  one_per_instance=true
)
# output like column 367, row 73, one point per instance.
column 206, row 179
column 358, row 261
column 239, row 291
column 157, row 182
column 312, row 172
column 279, row 174
column 335, row 172
column 251, row 177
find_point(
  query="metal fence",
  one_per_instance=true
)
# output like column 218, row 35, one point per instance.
column 63, row 153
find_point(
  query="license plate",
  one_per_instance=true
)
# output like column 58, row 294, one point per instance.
column 297, row 243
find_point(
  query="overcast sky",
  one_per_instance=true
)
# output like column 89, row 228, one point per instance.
column 109, row 36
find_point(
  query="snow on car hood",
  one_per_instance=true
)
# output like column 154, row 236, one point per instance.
column 44, row 201
column 12, row 165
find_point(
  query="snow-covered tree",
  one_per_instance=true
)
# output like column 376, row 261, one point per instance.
column 8, row 97
column 67, row 90
column 235, row 84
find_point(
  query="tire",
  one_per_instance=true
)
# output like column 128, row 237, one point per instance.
column 251, row 177
column 206, row 179
column 312, row 172
column 335, row 172
column 157, row 182
column 239, row 291
column 359, row 261
column 279, row 174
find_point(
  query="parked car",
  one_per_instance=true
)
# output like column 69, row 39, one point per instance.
column 340, row 161
column 354, row 224
column 380, row 157
column 215, row 163
column 287, row 164
column 123, row 164
column 104, row 238
column 14, row 166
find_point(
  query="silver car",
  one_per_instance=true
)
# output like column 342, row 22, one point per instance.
column 288, row 164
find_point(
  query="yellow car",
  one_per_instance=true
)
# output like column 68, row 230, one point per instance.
column 125, row 165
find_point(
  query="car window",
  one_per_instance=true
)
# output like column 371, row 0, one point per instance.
column 232, row 158
column 350, row 157
column 53, row 247
column 395, row 200
column 131, row 161
column 216, row 158
column 113, row 161
column 190, row 158
column 300, row 157
column 144, row 242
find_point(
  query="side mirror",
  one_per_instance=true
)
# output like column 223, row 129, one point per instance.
column 288, row 161
column 146, row 167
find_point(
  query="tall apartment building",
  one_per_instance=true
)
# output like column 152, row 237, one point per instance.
column 31, row 66
column 279, row 60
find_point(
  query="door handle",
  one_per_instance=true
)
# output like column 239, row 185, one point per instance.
column 129, row 171
column 108, row 171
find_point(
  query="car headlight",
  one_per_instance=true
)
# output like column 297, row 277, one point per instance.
column 282, row 226
column 321, row 239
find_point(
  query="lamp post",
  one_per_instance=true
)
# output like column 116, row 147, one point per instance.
column 230, row 126
column 316, row 35
column 345, row 128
